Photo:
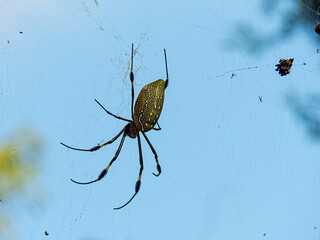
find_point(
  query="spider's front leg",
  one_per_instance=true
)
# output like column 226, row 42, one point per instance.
column 132, row 79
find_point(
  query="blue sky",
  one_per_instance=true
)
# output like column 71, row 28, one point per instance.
column 233, row 167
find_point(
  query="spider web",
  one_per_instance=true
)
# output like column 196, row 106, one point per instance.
column 238, row 145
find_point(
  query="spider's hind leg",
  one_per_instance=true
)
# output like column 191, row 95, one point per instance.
column 157, row 129
column 138, row 183
column 95, row 148
column 155, row 155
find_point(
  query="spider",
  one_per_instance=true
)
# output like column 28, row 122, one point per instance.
column 145, row 115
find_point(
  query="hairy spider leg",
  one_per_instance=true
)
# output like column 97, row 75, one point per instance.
column 104, row 171
column 121, row 118
column 132, row 79
column 155, row 155
column 138, row 183
column 95, row 148
column 165, row 59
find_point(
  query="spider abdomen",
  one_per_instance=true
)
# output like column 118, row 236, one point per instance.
column 148, row 106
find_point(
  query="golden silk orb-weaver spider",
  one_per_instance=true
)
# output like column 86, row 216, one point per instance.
column 145, row 115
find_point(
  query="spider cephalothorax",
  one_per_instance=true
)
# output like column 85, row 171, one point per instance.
column 145, row 116
column 132, row 130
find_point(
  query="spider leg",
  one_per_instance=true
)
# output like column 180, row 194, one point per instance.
column 104, row 171
column 137, row 188
column 155, row 155
column 132, row 79
column 165, row 59
column 121, row 118
column 157, row 129
column 95, row 148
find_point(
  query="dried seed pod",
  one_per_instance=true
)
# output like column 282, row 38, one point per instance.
column 317, row 28
column 284, row 66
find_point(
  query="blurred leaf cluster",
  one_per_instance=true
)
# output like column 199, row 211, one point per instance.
column 18, row 161
column 19, row 164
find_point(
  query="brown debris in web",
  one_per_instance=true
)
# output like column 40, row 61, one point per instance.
column 284, row 66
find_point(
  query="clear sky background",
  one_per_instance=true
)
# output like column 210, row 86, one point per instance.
column 233, row 167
